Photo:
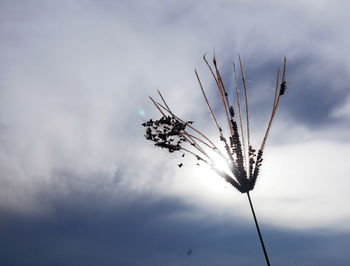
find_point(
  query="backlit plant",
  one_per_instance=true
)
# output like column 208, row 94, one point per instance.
column 244, row 162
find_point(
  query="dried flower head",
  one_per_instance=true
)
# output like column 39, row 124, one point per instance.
column 174, row 134
column 244, row 162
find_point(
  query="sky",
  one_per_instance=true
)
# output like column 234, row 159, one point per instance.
column 79, row 183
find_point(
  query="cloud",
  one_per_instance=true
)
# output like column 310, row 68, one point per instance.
column 76, row 74
column 84, row 230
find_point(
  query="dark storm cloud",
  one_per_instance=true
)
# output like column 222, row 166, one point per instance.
column 85, row 230
column 314, row 96
column 316, row 88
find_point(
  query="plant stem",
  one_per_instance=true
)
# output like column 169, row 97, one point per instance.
column 258, row 229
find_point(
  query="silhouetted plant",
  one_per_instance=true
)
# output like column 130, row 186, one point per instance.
column 174, row 134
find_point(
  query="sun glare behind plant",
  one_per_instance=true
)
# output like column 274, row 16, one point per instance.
column 220, row 163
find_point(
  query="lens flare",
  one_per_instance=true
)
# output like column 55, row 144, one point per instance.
column 141, row 112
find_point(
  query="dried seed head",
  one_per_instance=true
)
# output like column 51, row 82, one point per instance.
column 172, row 133
column 283, row 88
column 166, row 132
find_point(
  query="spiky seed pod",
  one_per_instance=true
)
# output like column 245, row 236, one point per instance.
column 252, row 156
column 165, row 132
column 256, row 171
column 283, row 87
column 232, row 112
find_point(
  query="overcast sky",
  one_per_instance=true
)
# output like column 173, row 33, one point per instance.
column 79, row 183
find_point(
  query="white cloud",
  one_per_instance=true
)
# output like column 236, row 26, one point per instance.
column 342, row 111
column 75, row 76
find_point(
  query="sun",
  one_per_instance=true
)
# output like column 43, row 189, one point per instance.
column 221, row 164
column 213, row 178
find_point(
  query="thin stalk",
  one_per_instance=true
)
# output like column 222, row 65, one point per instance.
column 258, row 229
column 160, row 110
column 195, row 145
column 207, row 102
column 196, row 155
column 191, row 127
column 275, row 106
column 249, row 163
column 276, row 89
column 224, row 96
column 246, row 98
column 200, row 140
column 284, row 69
column 240, row 115
column 215, row 120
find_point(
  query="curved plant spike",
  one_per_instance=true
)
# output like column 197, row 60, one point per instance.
column 245, row 97
column 239, row 109
column 174, row 134
column 222, row 138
